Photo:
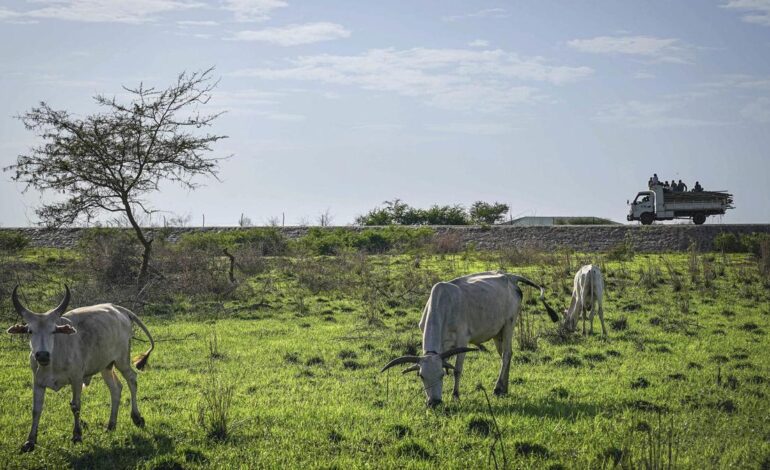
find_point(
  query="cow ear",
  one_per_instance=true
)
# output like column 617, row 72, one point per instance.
column 18, row 329
column 65, row 329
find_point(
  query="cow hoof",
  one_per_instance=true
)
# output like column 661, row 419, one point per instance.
column 77, row 439
column 111, row 426
column 456, row 396
column 28, row 446
column 138, row 420
column 500, row 392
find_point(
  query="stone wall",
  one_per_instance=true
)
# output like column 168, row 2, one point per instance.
column 650, row 239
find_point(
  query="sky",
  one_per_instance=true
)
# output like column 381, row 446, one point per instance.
column 557, row 108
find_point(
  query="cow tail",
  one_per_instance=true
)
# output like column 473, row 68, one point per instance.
column 141, row 360
column 551, row 312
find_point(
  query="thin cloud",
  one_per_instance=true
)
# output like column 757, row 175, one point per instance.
column 253, row 10
column 474, row 128
column 757, row 11
column 296, row 34
column 447, row 78
column 197, row 23
column 657, row 49
column 98, row 11
column 735, row 83
column 479, row 43
column 758, row 110
column 485, row 13
column 650, row 115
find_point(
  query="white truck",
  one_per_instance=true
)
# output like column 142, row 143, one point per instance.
column 662, row 204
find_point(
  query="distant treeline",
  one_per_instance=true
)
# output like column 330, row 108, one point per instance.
column 396, row 212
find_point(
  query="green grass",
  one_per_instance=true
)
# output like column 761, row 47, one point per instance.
column 307, row 391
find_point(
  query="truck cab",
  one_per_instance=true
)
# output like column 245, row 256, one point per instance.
column 643, row 207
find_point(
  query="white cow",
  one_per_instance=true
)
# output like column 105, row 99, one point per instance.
column 69, row 348
column 587, row 292
column 467, row 310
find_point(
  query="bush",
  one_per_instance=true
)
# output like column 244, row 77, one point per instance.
column 752, row 242
column 265, row 241
column 111, row 256
column 447, row 243
column 397, row 212
column 328, row 242
column 192, row 270
column 727, row 243
column 12, row 241
column 485, row 213
column 623, row 251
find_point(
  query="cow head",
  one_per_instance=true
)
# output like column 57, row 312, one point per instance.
column 431, row 369
column 42, row 326
column 570, row 320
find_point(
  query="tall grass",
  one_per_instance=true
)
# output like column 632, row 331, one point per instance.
column 215, row 404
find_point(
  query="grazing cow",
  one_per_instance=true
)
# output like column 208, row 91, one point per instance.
column 587, row 290
column 470, row 309
column 69, row 348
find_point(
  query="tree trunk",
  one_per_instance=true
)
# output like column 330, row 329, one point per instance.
column 146, row 244
column 143, row 270
column 232, row 265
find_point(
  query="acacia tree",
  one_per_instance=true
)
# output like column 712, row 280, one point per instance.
column 110, row 161
column 485, row 213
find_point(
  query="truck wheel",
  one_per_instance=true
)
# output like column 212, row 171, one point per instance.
column 698, row 219
column 647, row 218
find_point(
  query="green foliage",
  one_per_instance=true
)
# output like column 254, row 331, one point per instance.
column 727, row 242
column 623, row 251
column 752, row 242
column 12, row 241
column 397, row 212
column 110, row 256
column 267, row 241
column 321, row 241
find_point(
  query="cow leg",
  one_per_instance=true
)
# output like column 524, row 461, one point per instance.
column 601, row 318
column 128, row 373
column 583, row 316
column 457, row 373
column 38, row 397
column 115, row 388
column 505, row 350
column 77, row 389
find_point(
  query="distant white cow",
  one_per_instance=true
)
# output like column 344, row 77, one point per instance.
column 467, row 310
column 587, row 291
column 69, row 348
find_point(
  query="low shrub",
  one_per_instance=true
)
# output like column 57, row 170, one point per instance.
column 110, row 256
column 752, row 242
column 330, row 242
column 12, row 241
column 267, row 241
column 727, row 243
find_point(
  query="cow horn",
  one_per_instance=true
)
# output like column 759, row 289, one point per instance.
column 401, row 360
column 59, row 311
column 454, row 351
column 411, row 368
column 20, row 309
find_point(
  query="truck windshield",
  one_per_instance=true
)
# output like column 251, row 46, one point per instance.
column 641, row 197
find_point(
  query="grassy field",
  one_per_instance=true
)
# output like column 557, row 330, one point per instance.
column 292, row 358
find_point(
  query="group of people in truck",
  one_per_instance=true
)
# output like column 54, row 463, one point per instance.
column 673, row 186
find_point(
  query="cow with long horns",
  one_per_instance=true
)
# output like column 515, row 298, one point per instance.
column 467, row 310
column 69, row 348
